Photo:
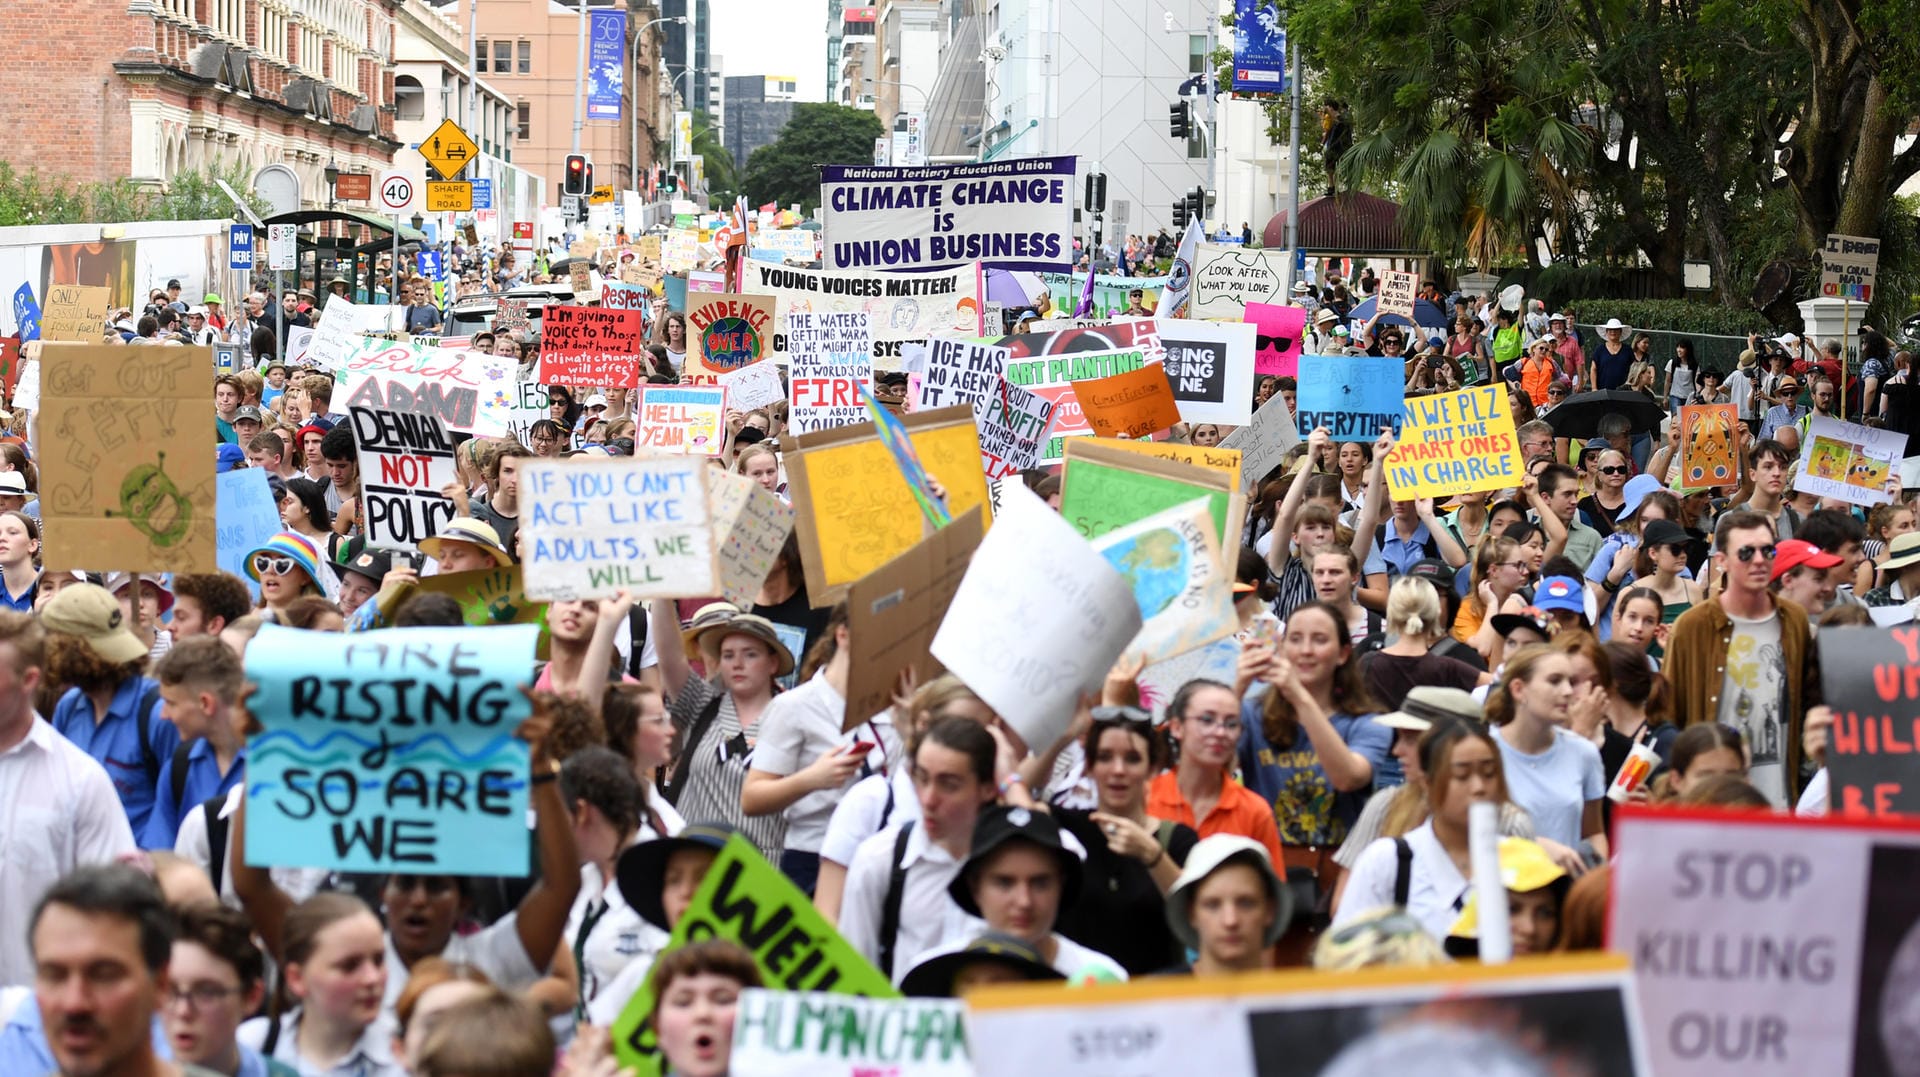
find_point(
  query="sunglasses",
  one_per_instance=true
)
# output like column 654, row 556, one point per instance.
column 1747, row 553
column 1615, row 469
column 1556, row 392
column 1263, row 342
column 267, row 564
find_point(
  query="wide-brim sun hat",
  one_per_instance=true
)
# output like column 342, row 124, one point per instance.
column 1903, row 551
column 933, row 977
column 287, row 544
column 642, row 869
column 1427, row 704
column 1615, row 323
column 720, row 625
column 1208, row 856
column 471, row 531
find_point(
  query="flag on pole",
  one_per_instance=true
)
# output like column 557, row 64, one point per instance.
column 1179, row 290
column 1085, row 309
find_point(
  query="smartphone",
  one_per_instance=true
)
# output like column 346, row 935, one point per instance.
column 862, row 747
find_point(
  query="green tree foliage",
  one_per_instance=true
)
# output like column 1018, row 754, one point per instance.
column 787, row 171
column 723, row 180
column 30, row 197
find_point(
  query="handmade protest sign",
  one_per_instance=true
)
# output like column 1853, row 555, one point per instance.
column 1172, row 561
column 900, row 306
column 1264, row 442
column 725, row 333
column 756, row 386
column 959, row 372
column 1162, row 680
column 486, row 596
column 893, row 434
column 809, row 1034
column 1211, row 367
column 26, row 392
column 1134, row 404
column 405, row 461
column 1397, row 292
column 830, row 362
column 76, row 313
column 596, row 527
column 511, row 317
column 1052, row 377
column 126, row 461
column 246, row 517
column 469, row 391
column 1527, row 1017
column 1010, row 214
column 531, row 403
column 1013, row 424
column 682, row 419
column 1454, row 443
column 591, row 346
column 750, row 524
column 340, row 332
column 1076, row 614
column 1227, row 278
column 389, row 752
column 1103, row 488
column 681, row 250
column 1353, row 396
column 1872, row 763
column 1708, row 452
column 1765, row 945
column 1848, row 265
column 853, row 512
column 747, row 900
column 1277, row 338
column 1218, row 458
column 615, row 295
column 1848, row 461
column 894, row 611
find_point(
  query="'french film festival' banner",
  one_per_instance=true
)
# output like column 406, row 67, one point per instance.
column 1015, row 214
column 606, row 63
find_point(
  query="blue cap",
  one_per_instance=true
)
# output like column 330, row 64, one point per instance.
column 229, row 457
column 1560, row 593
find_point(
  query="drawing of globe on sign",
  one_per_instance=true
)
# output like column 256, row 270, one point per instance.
column 731, row 343
column 1156, row 563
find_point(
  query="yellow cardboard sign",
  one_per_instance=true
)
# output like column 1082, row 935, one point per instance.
column 1455, row 443
column 75, row 312
column 448, row 150
column 1225, row 461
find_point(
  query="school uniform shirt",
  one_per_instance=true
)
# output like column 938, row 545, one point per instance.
column 1370, row 826
column 114, row 742
column 1436, row 891
column 24, row 602
column 195, row 846
column 370, row 1056
column 796, row 729
column 495, row 950
column 1555, row 785
column 928, row 915
column 58, row 812
column 1306, row 808
column 204, row 781
column 875, row 802
column 718, row 768
column 605, row 934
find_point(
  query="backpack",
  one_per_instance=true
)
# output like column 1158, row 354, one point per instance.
column 890, row 904
column 696, row 732
column 177, row 780
column 1402, row 872
column 637, row 633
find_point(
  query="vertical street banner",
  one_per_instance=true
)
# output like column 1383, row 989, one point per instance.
column 405, row 461
column 1259, row 47
column 1012, row 214
column 606, row 63
column 591, row 346
column 831, row 358
column 393, row 752
column 596, row 527
column 682, row 135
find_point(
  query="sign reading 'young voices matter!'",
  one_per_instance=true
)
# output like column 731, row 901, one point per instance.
column 593, row 528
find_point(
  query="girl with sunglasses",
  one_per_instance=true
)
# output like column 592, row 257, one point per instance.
column 1665, row 549
column 287, row 567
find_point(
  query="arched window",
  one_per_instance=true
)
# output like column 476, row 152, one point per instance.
column 409, row 99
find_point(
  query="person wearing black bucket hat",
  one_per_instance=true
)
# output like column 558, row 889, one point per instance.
column 658, row 879
column 991, row 958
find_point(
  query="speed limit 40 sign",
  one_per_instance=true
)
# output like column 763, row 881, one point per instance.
column 396, row 190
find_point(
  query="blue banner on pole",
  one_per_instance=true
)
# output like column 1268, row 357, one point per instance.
column 26, row 314
column 240, row 246
column 483, row 194
column 1259, row 47
column 606, row 63
column 430, row 264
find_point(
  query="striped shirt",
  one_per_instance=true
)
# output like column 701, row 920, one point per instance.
column 719, row 768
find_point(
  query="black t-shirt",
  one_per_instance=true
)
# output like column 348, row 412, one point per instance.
column 1389, row 677
column 1598, row 516
column 504, row 526
column 1120, row 912
column 1615, row 747
column 799, row 613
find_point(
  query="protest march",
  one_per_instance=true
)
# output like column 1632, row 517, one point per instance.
column 913, row 632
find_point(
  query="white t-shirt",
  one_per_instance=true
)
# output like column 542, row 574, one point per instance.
column 1554, row 786
column 495, row 950
column 796, row 729
column 1753, row 697
column 862, row 813
column 1813, row 800
column 193, row 845
column 1436, row 891
column 928, row 915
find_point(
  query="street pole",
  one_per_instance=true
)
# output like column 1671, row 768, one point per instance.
column 580, row 81
column 1213, row 131
column 473, row 81
column 393, row 289
column 1293, row 156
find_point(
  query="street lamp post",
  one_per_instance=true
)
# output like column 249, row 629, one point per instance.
column 635, row 169
column 332, row 174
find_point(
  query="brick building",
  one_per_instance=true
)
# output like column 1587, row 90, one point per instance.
column 105, row 90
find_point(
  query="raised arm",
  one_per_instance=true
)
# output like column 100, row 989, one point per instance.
column 1374, row 508
column 596, row 667
column 1279, row 551
column 664, row 630
column 542, row 916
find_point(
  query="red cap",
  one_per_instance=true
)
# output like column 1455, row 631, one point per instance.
column 1794, row 553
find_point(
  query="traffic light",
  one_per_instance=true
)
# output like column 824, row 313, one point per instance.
column 1096, row 201
column 578, row 175
column 1196, row 201
column 1180, row 119
column 1180, row 213
column 672, row 185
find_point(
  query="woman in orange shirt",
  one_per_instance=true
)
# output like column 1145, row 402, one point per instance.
column 1204, row 719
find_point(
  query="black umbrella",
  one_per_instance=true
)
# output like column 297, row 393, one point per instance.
column 1579, row 416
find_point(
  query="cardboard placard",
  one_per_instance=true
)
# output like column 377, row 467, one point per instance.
column 854, row 514
column 894, row 611
column 591, row 346
column 750, row 524
column 1848, row 461
column 1134, row 404
column 1766, row 945
column 747, row 900
column 1227, row 278
column 1013, row 424
column 1709, row 454
column 510, row 316
column 753, row 387
column 392, row 752
column 960, row 372
column 1103, row 488
column 1218, row 458
column 1075, row 613
column 615, row 295
column 247, row 518
column 830, row 363
column 687, row 419
column 1455, row 443
column 1872, row 763
column 472, row 392
column 785, row 1034
column 1211, row 367
column 126, row 461
column 76, row 313
column 1397, row 289
column 1264, row 442
column 1278, row 337
column 593, row 528
column 1353, row 396
column 405, row 461
column 725, row 332
column 1172, row 560
column 487, row 596
column 1848, row 265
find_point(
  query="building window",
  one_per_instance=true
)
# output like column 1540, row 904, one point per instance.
column 480, row 57
column 502, row 57
column 523, row 120
column 526, row 58
column 409, row 98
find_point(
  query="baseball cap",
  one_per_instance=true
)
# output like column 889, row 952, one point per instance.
column 1524, row 868
column 1434, row 571
column 360, row 560
column 1531, row 617
column 1790, row 554
column 1560, row 593
column 227, row 458
column 91, row 612
column 996, row 827
column 249, row 411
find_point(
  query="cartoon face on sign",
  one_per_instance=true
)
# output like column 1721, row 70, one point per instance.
column 730, row 343
column 1709, row 456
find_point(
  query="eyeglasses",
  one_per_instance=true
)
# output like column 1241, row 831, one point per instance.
column 200, row 996
column 1748, row 553
column 545, row 439
column 1513, row 564
column 267, row 564
column 1556, row 392
column 1210, row 722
